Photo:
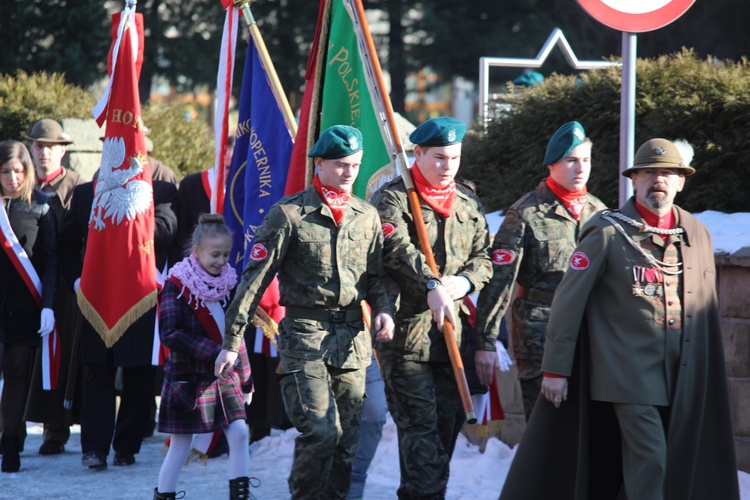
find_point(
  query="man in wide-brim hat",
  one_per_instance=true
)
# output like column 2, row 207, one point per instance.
column 48, row 147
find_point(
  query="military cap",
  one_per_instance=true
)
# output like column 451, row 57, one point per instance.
column 48, row 130
column 336, row 142
column 658, row 153
column 441, row 131
column 566, row 139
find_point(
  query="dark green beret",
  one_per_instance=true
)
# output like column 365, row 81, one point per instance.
column 442, row 131
column 565, row 140
column 337, row 142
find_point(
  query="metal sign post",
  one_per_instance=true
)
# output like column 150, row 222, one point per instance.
column 631, row 17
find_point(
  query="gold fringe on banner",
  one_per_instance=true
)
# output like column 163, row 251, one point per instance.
column 197, row 456
column 266, row 323
column 111, row 336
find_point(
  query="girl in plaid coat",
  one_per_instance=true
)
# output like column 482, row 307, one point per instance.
column 191, row 323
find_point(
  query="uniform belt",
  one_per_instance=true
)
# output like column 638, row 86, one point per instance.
column 329, row 315
column 534, row 295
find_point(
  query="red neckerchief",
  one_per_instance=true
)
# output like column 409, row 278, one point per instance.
column 440, row 199
column 653, row 220
column 574, row 201
column 336, row 200
column 51, row 177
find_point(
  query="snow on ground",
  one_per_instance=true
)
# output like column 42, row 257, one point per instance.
column 474, row 475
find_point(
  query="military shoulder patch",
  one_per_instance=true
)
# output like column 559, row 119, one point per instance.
column 502, row 257
column 388, row 228
column 258, row 252
column 579, row 261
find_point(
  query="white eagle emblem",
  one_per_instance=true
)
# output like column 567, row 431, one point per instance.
column 452, row 135
column 117, row 196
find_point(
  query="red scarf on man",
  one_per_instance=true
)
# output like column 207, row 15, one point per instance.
column 336, row 200
column 440, row 199
column 574, row 201
column 653, row 220
column 51, row 177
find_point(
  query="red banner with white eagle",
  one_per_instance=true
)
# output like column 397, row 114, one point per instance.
column 118, row 283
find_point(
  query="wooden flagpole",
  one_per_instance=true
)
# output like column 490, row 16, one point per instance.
column 273, row 78
column 397, row 149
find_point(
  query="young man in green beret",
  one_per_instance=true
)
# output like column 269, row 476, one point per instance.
column 420, row 387
column 326, row 246
column 646, row 412
column 530, row 254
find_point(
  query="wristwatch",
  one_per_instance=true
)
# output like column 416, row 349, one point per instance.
column 433, row 284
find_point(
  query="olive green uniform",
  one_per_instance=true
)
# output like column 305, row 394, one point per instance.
column 532, row 248
column 420, row 387
column 325, row 271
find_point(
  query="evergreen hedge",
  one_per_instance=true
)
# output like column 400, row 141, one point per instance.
column 186, row 146
column 25, row 98
column 706, row 102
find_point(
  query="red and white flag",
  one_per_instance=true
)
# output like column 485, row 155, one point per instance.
column 118, row 283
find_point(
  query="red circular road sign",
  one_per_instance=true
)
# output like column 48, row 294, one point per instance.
column 635, row 16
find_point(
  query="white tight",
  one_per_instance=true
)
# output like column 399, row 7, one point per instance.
column 181, row 444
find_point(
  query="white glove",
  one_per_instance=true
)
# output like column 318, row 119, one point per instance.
column 47, row 322
column 77, row 285
column 503, row 357
column 247, row 398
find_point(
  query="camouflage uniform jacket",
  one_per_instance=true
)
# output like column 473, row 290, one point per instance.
column 532, row 247
column 321, row 266
column 460, row 244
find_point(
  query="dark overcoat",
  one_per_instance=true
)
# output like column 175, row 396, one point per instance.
column 35, row 228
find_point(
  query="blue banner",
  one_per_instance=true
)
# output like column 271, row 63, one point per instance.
column 257, row 176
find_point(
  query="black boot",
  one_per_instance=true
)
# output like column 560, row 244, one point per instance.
column 11, row 459
column 239, row 488
column 167, row 496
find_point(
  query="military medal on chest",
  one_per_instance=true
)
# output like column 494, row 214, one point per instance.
column 648, row 282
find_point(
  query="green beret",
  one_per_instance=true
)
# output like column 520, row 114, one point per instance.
column 565, row 140
column 336, row 142
column 658, row 153
column 442, row 131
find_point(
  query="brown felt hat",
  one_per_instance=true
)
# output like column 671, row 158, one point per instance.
column 658, row 153
column 48, row 130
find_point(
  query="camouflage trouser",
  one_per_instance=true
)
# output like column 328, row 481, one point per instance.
column 530, row 390
column 528, row 334
column 424, row 402
column 325, row 405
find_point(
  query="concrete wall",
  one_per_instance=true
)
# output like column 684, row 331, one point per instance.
column 84, row 155
column 734, row 300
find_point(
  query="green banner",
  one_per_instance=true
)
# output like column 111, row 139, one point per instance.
column 347, row 99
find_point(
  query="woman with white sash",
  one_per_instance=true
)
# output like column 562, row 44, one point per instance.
column 28, row 266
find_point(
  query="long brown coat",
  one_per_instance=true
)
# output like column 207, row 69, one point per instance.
column 598, row 302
